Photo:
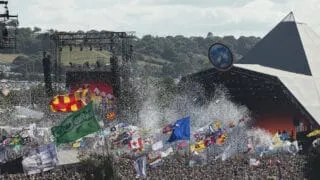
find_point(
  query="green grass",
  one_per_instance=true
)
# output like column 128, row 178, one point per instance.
column 7, row 58
column 79, row 57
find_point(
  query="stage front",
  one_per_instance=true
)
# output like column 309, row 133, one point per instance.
column 273, row 107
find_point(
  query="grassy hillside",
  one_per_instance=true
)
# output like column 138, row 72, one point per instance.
column 7, row 58
column 79, row 57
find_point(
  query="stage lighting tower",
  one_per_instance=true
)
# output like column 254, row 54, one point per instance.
column 8, row 26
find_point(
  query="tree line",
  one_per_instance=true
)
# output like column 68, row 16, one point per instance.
column 156, row 56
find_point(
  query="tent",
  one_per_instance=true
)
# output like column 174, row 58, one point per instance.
column 291, row 53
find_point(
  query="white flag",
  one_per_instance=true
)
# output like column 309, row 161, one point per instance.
column 254, row 162
column 5, row 91
column 158, row 145
column 167, row 152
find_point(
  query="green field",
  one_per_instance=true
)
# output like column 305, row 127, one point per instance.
column 7, row 58
column 79, row 57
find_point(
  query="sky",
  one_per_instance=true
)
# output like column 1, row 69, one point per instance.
column 165, row 17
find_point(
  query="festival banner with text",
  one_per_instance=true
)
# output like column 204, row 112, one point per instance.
column 77, row 125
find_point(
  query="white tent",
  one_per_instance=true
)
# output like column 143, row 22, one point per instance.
column 290, row 52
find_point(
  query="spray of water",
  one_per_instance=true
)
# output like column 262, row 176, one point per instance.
column 149, row 114
column 259, row 137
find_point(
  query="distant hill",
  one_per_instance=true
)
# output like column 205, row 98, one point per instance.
column 156, row 56
column 79, row 57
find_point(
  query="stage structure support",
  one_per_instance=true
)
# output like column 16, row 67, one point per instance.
column 47, row 74
column 119, row 44
column 8, row 28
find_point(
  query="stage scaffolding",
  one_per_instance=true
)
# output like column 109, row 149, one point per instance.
column 119, row 44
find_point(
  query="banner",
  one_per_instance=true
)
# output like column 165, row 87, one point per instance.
column 76, row 126
column 3, row 154
column 68, row 102
column 41, row 159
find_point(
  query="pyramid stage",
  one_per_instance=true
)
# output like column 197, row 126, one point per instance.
column 277, row 79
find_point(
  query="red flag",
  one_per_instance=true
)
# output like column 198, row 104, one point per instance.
column 136, row 143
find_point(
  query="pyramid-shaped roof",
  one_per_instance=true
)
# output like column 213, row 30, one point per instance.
column 281, row 48
column 291, row 52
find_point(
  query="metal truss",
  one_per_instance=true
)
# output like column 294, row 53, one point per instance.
column 8, row 28
column 118, row 43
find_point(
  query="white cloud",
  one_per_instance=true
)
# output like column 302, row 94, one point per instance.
column 164, row 17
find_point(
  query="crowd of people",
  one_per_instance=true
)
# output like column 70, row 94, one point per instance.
column 272, row 167
column 277, row 166
column 69, row 172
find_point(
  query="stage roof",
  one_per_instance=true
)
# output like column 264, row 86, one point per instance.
column 304, row 88
column 291, row 52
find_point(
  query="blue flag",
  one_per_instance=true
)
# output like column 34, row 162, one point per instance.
column 181, row 130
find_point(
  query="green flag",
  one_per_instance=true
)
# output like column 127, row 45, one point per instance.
column 77, row 125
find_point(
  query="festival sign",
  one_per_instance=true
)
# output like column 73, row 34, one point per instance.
column 220, row 56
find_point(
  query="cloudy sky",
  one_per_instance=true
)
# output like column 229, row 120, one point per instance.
column 165, row 17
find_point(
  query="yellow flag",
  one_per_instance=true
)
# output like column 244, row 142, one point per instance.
column 198, row 147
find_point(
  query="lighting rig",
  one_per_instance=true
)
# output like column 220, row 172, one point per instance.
column 8, row 24
column 118, row 43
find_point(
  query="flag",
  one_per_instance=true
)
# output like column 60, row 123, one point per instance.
column 221, row 139
column 199, row 146
column 226, row 153
column 314, row 133
column 209, row 141
column 136, row 143
column 76, row 126
column 79, row 143
column 5, row 91
column 156, row 146
column 167, row 129
column 68, row 102
column 254, row 162
column 293, row 147
column 182, row 145
column 155, row 162
column 166, row 152
column 40, row 159
column 181, row 130
column 140, row 166
column 3, row 155
column 276, row 141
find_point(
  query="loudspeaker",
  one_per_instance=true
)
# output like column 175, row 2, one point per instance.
column 47, row 74
column 115, row 75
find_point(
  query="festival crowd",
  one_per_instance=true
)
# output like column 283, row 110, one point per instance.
column 277, row 166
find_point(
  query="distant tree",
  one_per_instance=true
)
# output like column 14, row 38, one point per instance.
column 210, row 35
column 36, row 29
